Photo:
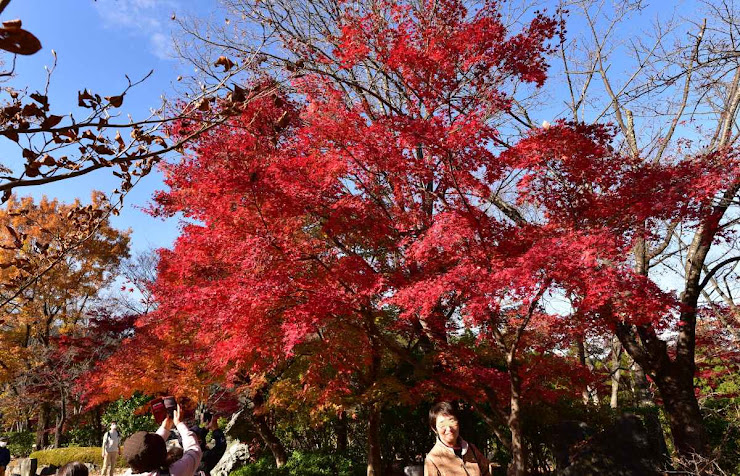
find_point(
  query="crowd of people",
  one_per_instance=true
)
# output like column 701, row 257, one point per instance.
column 152, row 454
column 157, row 454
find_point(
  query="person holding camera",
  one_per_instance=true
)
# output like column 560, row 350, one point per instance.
column 212, row 456
column 146, row 453
column 111, row 445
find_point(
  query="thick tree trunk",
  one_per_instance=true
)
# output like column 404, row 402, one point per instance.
column 518, row 465
column 42, row 437
column 374, row 463
column 276, row 446
column 682, row 408
column 675, row 382
column 643, row 398
column 61, row 420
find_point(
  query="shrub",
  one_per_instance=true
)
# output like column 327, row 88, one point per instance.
column 320, row 464
column 20, row 443
column 303, row 464
column 62, row 456
column 262, row 467
column 82, row 435
column 127, row 414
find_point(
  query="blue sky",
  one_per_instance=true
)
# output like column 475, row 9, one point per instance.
column 97, row 44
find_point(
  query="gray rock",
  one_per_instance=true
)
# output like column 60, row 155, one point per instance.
column 565, row 435
column 413, row 470
column 236, row 455
column 28, row 466
column 238, row 427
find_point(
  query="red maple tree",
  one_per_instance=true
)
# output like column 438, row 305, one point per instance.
column 359, row 231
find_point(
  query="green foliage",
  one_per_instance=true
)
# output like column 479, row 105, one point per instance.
column 82, row 435
column 318, row 464
column 406, row 436
column 124, row 413
column 723, row 427
column 62, row 456
column 303, row 464
column 20, row 443
column 262, row 467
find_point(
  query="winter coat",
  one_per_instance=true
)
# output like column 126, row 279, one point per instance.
column 442, row 461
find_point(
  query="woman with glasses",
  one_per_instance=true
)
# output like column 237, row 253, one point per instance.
column 451, row 455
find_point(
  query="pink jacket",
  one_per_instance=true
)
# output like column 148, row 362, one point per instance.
column 442, row 461
column 188, row 464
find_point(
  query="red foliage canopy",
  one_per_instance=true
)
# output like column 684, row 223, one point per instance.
column 347, row 226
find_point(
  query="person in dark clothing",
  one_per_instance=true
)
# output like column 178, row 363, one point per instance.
column 212, row 456
column 4, row 456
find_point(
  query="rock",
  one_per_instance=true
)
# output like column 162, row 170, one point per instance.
column 47, row 470
column 564, row 436
column 413, row 470
column 238, row 427
column 28, row 466
column 236, row 455
column 624, row 449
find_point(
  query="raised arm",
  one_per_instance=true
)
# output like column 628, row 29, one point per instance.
column 192, row 453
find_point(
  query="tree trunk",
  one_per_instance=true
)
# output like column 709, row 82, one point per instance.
column 98, row 425
column 374, row 463
column 585, row 395
column 342, row 433
column 518, row 465
column 616, row 371
column 684, row 416
column 675, row 382
column 644, row 399
column 589, row 393
column 42, row 437
column 272, row 441
column 61, row 420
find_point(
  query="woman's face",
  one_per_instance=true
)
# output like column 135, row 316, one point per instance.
column 448, row 429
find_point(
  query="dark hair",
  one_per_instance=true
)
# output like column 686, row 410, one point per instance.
column 75, row 468
column 145, row 452
column 441, row 408
column 173, row 454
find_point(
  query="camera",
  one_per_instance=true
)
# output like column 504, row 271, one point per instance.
column 163, row 407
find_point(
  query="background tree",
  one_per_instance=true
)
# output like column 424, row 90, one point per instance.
column 674, row 99
column 57, row 303
column 333, row 43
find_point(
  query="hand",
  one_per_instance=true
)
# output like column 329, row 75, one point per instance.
column 177, row 415
column 168, row 423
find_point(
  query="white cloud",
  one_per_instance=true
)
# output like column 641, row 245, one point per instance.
column 145, row 18
column 161, row 46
